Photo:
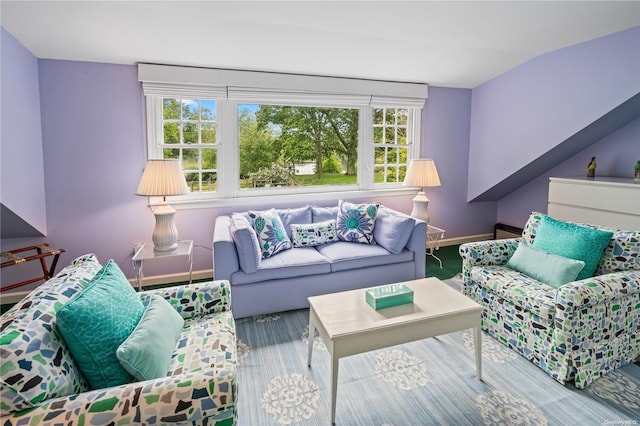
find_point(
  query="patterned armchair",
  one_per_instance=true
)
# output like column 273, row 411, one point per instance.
column 579, row 331
column 41, row 383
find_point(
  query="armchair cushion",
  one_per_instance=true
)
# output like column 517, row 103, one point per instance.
column 546, row 267
column 574, row 241
column 146, row 353
column 97, row 321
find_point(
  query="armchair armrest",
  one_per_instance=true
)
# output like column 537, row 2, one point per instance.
column 199, row 299
column 149, row 402
column 597, row 309
column 486, row 253
column 598, row 290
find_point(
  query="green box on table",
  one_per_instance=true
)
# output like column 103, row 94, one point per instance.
column 389, row 295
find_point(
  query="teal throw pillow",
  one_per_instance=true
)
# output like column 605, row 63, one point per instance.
column 97, row 321
column 146, row 353
column 546, row 267
column 573, row 241
column 356, row 222
column 314, row 234
column 272, row 236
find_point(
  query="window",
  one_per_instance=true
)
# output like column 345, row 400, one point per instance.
column 391, row 156
column 189, row 134
column 297, row 146
column 263, row 134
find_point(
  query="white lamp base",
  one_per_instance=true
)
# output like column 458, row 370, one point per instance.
column 165, row 234
column 420, row 204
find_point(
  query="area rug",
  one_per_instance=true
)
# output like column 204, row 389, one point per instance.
column 427, row 382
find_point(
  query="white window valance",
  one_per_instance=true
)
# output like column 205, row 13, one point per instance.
column 277, row 88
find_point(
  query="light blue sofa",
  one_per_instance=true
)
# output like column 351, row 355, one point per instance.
column 284, row 281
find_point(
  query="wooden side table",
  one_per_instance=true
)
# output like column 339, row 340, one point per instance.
column 41, row 251
column 146, row 252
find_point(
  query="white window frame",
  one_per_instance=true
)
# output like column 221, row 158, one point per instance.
column 231, row 88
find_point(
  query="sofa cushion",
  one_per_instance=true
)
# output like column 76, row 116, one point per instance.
column 549, row 268
column 146, row 353
column 271, row 233
column 314, row 234
column 300, row 215
column 525, row 292
column 36, row 364
column 344, row 255
column 393, row 230
column 574, row 241
column 97, row 321
column 297, row 262
column 246, row 241
column 356, row 222
column 322, row 214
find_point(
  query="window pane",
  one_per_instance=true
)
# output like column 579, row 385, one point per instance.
column 190, row 159
column 377, row 135
column 209, row 181
column 402, row 135
column 390, row 135
column 170, row 109
column 171, row 153
column 190, row 109
column 208, row 110
column 208, row 133
column 190, row 133
column 171, row 133
column 297, row 146
column 193, row 181
column 209, row 158
column 379, row 155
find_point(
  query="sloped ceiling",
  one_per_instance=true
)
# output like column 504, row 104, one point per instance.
column 451, row 44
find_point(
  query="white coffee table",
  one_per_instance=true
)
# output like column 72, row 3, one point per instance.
column 349, row 326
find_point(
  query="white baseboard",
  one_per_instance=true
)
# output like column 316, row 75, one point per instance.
column 14, row 297
column 173, row 278
column 468, row 239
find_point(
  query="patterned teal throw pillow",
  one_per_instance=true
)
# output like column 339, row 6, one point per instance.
column 97, row 321
column 271, row 233
column 355, row 222
column 573, row 241
column 314, row 234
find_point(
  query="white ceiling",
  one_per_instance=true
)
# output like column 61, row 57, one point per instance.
column 443, row 43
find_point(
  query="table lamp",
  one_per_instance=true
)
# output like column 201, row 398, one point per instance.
column 422, row 173
column 162, row 178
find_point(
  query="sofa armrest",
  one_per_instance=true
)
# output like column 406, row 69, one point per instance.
column 486, row 253
column 418, row 245
column 197, row 300
column 178, row 399
column 225, row 255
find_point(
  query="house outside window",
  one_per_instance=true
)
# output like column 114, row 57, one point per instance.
column 237, row 143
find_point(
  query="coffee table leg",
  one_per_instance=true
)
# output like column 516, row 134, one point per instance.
column 477, row 343
column 312, row 336
column 334, row 386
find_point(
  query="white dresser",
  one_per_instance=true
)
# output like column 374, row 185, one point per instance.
column 604, row 201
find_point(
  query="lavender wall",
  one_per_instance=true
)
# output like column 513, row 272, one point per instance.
column 21, row 171
column 445, row 138
column 616, row 155
column 523, row 113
